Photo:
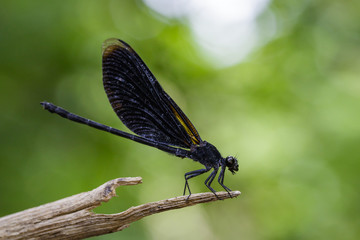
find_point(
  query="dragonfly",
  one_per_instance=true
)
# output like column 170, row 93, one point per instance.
column 151, row 114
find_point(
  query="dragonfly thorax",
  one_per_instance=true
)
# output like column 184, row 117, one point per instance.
column 207, row 154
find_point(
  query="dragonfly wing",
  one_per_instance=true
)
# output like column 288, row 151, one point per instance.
column 139, row 100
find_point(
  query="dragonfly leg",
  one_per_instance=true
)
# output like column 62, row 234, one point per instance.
column 221, row 180
column 191, row 175
column 209, row 180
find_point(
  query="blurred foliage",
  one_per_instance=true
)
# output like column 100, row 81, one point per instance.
column 290, row 113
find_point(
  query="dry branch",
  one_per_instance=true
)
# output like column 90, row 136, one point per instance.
column 72, row 218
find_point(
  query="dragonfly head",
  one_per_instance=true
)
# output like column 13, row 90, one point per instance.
column 232, row 164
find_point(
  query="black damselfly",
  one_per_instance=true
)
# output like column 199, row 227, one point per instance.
column 146, row 109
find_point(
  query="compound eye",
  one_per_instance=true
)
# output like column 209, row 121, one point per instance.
column 230, row 160
column 232, row 164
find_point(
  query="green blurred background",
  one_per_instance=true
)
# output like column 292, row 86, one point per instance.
column 275, row 83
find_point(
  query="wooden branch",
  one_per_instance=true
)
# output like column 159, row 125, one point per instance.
column 72, row 218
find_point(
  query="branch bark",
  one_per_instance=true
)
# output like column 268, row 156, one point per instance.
column 72, row 217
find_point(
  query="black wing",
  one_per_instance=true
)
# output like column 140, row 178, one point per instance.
column 139, row 100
